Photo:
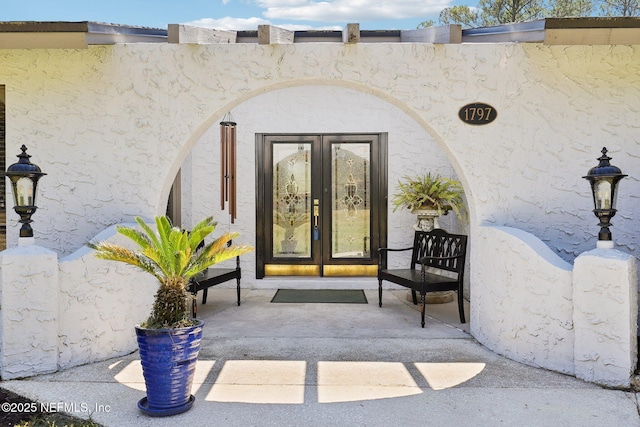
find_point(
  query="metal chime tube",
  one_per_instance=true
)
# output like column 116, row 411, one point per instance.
column 223, row 165
column 232, row 171
column 228, row 165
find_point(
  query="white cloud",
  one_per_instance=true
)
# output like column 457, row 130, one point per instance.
column 229, row 23
column 350, row 10
column 329, row 11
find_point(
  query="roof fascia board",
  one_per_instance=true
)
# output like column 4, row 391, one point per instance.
column 592, row 36
column 528, row 32
column 73, row 35
column 57, row 40
column 592, row 22
column 103, row 34
column 107, row 39
column 550, row 31
column 442, row 34
column 43, row 27
column 102, row 28
column 592, row 31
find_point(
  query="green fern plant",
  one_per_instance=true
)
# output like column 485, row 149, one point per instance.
column 172, row 256
column 430, row 192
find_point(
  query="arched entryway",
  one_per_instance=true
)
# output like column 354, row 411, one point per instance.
column 311, row 110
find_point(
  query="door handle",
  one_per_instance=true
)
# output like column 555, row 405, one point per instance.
column 316, row 217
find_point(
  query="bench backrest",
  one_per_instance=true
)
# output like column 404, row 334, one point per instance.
column 439, row 243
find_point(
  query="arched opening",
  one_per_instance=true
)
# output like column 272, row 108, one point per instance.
column 318, row 108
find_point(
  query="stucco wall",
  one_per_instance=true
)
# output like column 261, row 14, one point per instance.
column 112, row 125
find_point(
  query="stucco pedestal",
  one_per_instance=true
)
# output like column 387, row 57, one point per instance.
column 605, row 299
column 29, row 315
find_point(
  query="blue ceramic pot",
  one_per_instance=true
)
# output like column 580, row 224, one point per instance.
column 168, row 358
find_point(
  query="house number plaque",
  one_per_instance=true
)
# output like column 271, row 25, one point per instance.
column 477, row 114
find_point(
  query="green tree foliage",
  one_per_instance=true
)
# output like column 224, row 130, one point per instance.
column 426, row 24
column 496, row 12
column 570, row 8
column 464, row 15
column 620, row 7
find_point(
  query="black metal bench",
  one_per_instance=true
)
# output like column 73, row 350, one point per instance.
column 434, row 252
column 211, row 277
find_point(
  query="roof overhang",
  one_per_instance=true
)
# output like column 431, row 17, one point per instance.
column 550, row 31
column 73, row 35
column 592, row 31
column 561, row 31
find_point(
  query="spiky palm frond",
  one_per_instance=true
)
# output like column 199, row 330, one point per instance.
column 112, row 252
column 170, row 255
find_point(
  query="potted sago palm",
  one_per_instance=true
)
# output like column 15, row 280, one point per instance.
column 169, row 340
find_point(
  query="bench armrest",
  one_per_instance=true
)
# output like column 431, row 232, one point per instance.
column 382, row 255
column 380, row 250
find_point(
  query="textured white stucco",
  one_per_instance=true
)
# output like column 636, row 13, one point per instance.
column 521, row 303
column 99, row 304
column 112, row 125
column 28, row 311
column 605, row 308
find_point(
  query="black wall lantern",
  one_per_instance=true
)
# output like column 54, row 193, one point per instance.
column 24, row 177
column 604, row 180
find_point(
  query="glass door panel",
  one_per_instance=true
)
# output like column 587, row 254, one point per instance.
column 350, row 200
column 291, row 200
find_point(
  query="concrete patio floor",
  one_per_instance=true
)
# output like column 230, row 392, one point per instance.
column 266, row 364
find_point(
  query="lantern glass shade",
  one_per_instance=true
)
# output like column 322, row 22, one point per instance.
column 23, row 192
column 602, row 192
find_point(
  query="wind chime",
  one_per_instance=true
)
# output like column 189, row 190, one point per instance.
column 228, row 164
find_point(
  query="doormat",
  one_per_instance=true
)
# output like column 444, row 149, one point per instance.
column 334, row 296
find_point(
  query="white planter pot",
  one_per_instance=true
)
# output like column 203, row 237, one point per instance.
column 427, row 219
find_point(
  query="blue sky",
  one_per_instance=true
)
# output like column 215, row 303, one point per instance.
column 233, row 14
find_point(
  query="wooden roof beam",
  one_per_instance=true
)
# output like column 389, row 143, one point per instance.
column 268, row 34
column 186, row 34
column 351, row 34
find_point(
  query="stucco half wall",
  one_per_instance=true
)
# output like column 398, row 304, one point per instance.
column 521, row 301
column 526, row 304
column 533, row 307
